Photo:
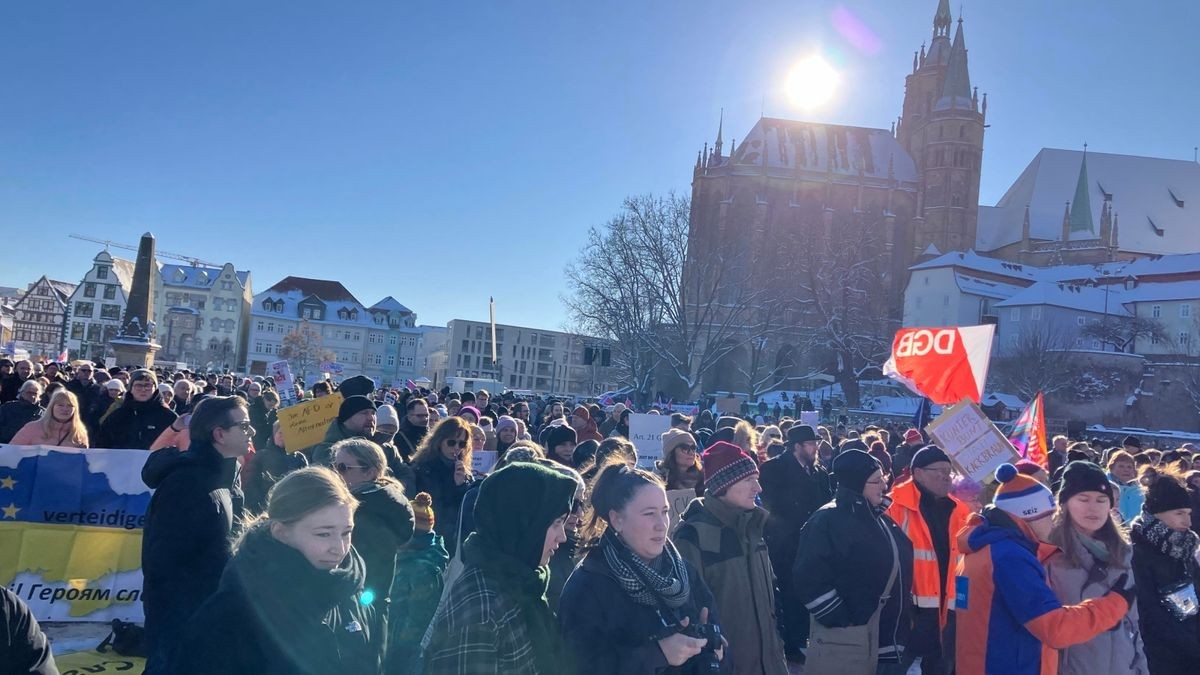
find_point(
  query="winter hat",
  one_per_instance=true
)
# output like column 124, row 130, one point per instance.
column 727, row 421
column 801, row 433
column 725, row 464
column 584, row 452
column 359, row 385
column 1022, row 496
column 617, row 409
column 852, row 444
column 543, row 495
column 385, row 415
column 114, row 384
column 853, row 468
column 422, row 506
column 470, row 409
column 675, row 437
column 1083, row 477
column 505, row 422
column 913, row 436
column 559, row 434
column 582, row 411
column 1166, row 494
column 352, row 406
column 1028, row 468
column 1132, row 441
column 930, row 454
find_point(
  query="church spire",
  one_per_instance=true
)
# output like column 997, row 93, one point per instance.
column 720, row 126
column 957, row 89
column 1081, row 206
column 941, row 20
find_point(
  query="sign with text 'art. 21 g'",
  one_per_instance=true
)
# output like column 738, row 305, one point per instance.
column 645, row 431
column 305, row 424
column 71, row 531
column 975, row 445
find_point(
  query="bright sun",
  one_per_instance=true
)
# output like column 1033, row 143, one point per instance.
column 811, row 82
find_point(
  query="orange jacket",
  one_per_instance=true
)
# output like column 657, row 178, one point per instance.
column 928, row 590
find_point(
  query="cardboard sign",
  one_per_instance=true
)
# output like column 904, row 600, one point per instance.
column 281, row 374
column 645, row 431
column 678, row 500
column 975, row 445
column 810, row 417
column 305, row 424
column 729, row 406
column 483, row 461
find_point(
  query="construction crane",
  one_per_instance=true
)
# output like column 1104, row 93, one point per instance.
column 193, row 261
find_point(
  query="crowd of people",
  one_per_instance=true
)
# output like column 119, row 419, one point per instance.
column 831, row 549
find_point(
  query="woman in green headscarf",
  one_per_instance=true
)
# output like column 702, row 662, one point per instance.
column 495, row 618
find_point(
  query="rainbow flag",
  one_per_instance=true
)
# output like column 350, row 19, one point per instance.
column 1029, row 434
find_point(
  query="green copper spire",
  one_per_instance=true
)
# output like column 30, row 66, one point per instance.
column 1081, row 206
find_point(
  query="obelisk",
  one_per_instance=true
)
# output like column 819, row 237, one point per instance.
column 134, row 343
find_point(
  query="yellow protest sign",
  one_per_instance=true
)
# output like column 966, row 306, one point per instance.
column 304, row 424
column 95, row 662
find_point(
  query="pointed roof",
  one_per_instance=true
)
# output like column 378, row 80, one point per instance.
column 390, row 304
column 941, row 19
column 1081, row 206
column 329, row 291
column 956, row 91
column 720, row 126
column 795, row 146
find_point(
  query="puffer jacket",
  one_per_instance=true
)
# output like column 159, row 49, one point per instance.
column 135, row 425
column 726, row 547
column 416, row 590
column 1172, row 646
column 383, row 523
column 16, row 414
column 1117, row 651
column 275, row 613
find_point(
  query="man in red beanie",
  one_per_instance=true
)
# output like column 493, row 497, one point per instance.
column 913, row 441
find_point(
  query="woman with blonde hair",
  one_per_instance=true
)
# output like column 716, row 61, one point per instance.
column 745, row 436
column 442, row 467
column 60, row 425
column 292, row 593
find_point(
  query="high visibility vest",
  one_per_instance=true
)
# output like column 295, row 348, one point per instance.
column 928, row 590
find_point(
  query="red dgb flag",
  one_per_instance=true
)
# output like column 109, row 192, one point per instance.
column 944, row 364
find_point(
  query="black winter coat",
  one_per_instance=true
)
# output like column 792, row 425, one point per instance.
column 842, row 567
column 437, row 478
column 185, row 543
column 87, row 394
column 24, row 648
column 275, row 613
column 1171, row 646
column 264, row 470
column 790, row 494
column 610, row 634
column 262, row 420
column 383, row 523
column 16, row 414
column 135, row 425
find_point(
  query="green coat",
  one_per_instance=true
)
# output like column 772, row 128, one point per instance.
column 726, row 546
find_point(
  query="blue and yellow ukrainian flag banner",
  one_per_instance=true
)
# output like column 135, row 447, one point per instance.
column 71, row 531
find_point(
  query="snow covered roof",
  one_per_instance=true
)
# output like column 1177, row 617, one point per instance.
column 195, row 276
column 291, row 291
column 981, row 263
column 1010, row 401
column 63, row 288
column 1176, row 290
column 1157, row 201
column 390, row 304
column 820, row 148
column 1145, row 269
column 124, row 270
column 1070, row 296
column 985, row 287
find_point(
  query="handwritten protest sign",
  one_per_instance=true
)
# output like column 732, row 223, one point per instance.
column 281, row 374
column 305, row 424
column 729, row 406
column 646, row 430
column 483, row 461
column 678, row 500
column 975, row 445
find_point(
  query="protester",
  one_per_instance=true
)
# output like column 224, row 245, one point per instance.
column 720, row 534
column 1008, row 618
column 441, row 467
column 506, row 434
column 269, row 464
column 561, row 441
column 680, row 466
column 10, row 386
column 416, row 589
column 931, row 518
column 140, row 418
column 182, row 402
column 383, row 521
column 15, row 414
column 86, row 391
column 628, row 606
column 1123, row 472
column 291, row 599
column 913, row 441
column 263, row 405
column 495, row 618
column 185, row 543
column 794, row 487
column 114, row 394
column 60, row 425
column 853, row 572
column 583, row 424
column 355, row 419
column 1093, row 553
column 24, row 648
column 614, row 414
column 621, row 428
column 1164, row 565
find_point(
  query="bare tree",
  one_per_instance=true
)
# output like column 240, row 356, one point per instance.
column 1120, row 332
column 1040, row 360
column 303, row 350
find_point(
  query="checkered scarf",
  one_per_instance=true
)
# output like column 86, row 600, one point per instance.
column 646, row 584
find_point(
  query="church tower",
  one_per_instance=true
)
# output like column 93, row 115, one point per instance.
column 941, row 126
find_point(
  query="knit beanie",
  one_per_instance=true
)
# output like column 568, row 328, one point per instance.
column 852, row 469
column 517, row 504
column 581, row 411
column 913, row 436
column 559, row 434
column 422, row 506
column 1166, row 494
column 725, row 464
column 352, row 406
column 617, row 409
column 930, row 454
column 1022, row 496
column 1028, row 468
column 505, row 422
column 385, row 415
column 674, row 437
column 470, row 409
column 359, row 385
column 1083, row 477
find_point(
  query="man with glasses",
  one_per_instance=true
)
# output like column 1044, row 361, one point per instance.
column 185, row 543
column 931, row 517
column 413, row 427
column 356, row 419
column 140, row 418
column 84, row 386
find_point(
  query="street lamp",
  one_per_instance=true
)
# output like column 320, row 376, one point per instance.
column 1105, row 274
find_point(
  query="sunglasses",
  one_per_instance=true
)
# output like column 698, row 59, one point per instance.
column 244, row 426
column 689, row 449
column 457, row 444
column 342, row 467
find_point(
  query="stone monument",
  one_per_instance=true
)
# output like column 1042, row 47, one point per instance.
column 134, row 343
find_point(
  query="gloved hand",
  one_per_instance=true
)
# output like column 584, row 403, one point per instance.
column 1124, row 587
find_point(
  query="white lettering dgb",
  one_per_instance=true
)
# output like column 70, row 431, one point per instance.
column 921, row 342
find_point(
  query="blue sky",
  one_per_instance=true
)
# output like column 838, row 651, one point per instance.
column 421, row 149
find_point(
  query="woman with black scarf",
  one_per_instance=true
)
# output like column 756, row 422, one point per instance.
column 495, row 618
column 634, row 606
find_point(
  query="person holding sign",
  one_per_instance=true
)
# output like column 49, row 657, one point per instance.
column 721, row 536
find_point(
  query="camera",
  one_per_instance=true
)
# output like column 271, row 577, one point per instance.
column 706, row 661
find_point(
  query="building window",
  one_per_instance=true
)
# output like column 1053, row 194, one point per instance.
column 279, row 307
column 76, row 331
column 391, row 360
column 93, row 332
column 1154, row 339
column 392, row 340
column 1185, row 311
column 89, row 290
column 110, row 312
column 306, row 313
column 346, row 335
column 1156, row 311
column 1035, row 313
column 1079, row 321
column 84, row 309
column 357, row 336
column 259, row 326
column 1184, row 338
column 1015, row 314
column 110, row 292
column 101, row 271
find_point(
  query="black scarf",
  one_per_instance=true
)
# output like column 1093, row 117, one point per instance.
column 663, row 582
column 1153, row 532
column 526, row 586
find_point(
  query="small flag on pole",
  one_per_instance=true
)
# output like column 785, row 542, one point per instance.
column 492, row 313
column 1029, row 433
